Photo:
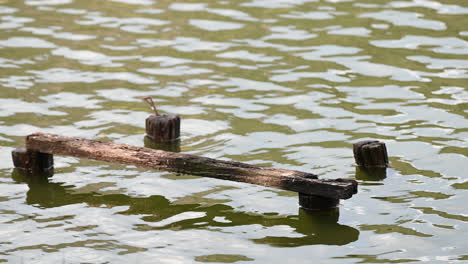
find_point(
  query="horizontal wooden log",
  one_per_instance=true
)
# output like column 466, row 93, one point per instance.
column 296, row 181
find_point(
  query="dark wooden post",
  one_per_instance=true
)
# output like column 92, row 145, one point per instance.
column 33, row 162
column 372, row 160
column 315, row 202
column 161, row 128
column 370, row 154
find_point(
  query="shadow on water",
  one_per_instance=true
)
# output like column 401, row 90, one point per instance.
column 314, row 227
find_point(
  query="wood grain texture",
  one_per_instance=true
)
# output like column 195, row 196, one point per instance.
column 33, row 162
column 163, row 128
column 291, row 180
column 370, row 154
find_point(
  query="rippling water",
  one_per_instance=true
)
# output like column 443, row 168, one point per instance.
column 283, row 83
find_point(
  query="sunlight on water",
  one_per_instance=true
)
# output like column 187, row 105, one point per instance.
column 284, row 83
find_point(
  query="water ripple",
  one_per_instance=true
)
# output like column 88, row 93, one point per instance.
column 289, row 84
column 399, row 18
column 26, row 42
column 448, row 45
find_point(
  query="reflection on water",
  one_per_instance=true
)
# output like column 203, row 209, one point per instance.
column 314, row 227
column 319, row 227
column 285, row 83
column 371, row 174
column 166, row 146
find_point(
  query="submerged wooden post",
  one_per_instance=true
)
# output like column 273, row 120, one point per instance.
column 301, row 182
column 372, row 160
column 33, row 162
column 161, row 128
column 370, row 154
column 315, row 202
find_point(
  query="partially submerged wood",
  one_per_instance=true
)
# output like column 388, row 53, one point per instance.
column 370, row 154
column 296, row 181
column 33, row 162
column 314, row 202
column 163, row 128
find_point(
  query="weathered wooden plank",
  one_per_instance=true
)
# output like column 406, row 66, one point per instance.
column 291, row 180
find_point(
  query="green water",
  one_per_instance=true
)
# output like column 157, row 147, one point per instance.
column 281, row 83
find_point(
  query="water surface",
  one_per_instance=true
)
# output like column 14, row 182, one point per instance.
column 285, row 83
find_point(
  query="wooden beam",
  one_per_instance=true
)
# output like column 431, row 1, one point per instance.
column 291, row 180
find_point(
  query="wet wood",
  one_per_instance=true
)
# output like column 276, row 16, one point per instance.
column 314, row 202
column 370, row 154
column 32, row 161
column 296, row 181
column 163, row 128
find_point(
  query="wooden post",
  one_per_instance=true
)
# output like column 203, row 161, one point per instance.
column 315, row 202
column 296, row 181
column 370, row 154
column 33, row 162
column 372, row 160
column 161, row 128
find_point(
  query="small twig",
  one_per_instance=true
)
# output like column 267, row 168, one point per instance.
column 150, row 101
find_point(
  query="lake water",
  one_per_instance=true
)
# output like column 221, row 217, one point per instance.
column 281, row 83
